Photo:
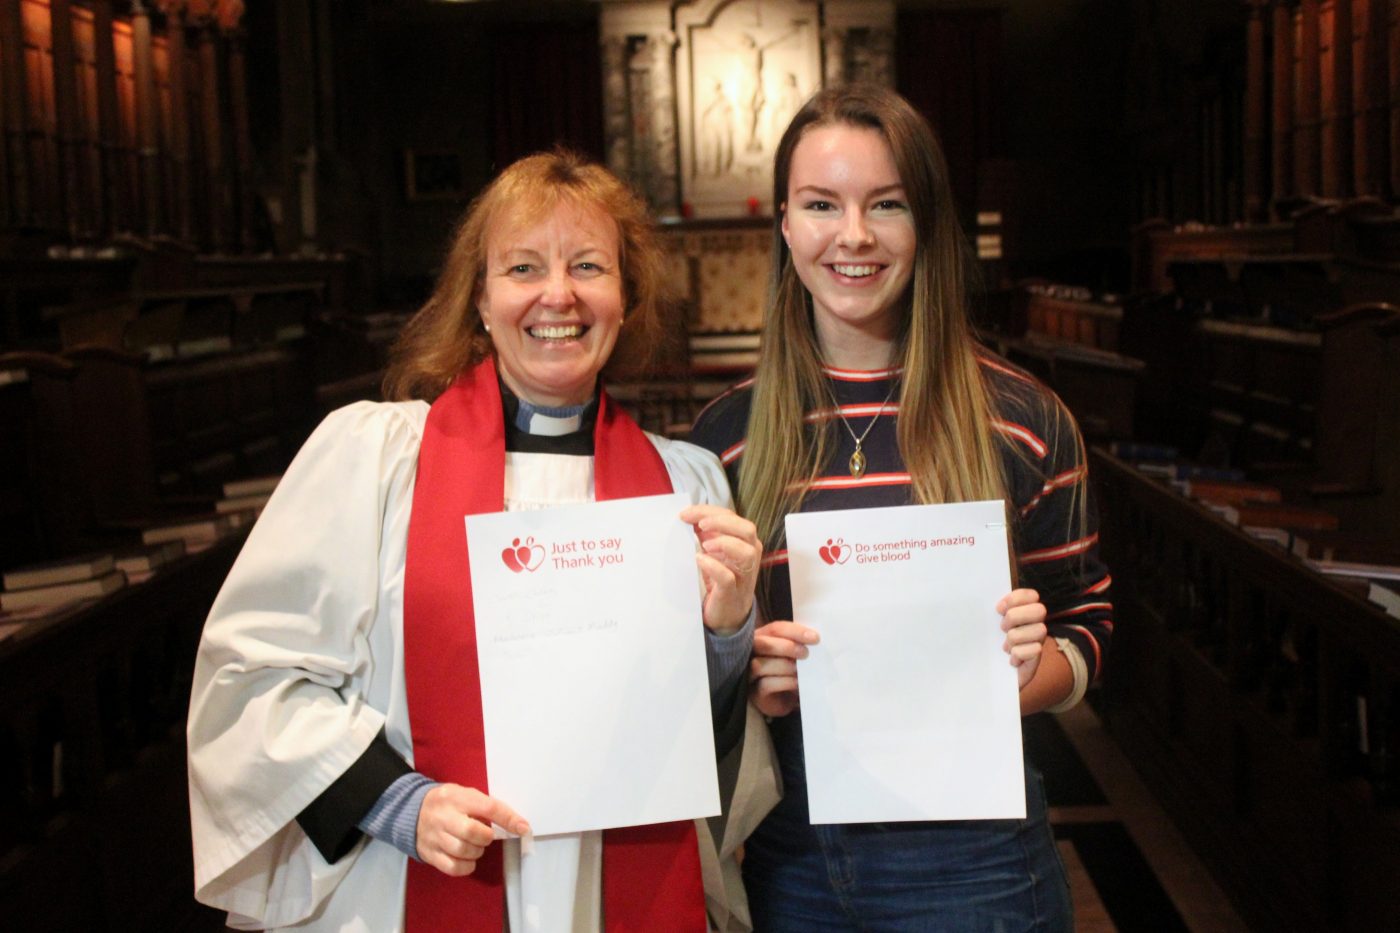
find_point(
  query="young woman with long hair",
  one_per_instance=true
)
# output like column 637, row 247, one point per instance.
column 871, row 390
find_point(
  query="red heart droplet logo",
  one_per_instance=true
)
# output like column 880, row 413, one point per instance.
column 510, row 558
column 834, row 553
column 527, row 556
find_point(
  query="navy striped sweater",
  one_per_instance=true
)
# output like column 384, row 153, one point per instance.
column 1041, row 461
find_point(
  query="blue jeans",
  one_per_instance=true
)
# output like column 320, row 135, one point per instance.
column 952, row 877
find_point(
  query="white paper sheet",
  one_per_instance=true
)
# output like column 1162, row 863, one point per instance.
column 909, row 704
column 594, row 689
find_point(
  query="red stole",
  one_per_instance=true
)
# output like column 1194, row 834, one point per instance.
column 651, row 874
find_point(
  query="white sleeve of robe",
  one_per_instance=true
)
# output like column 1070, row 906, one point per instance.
column 299, row 668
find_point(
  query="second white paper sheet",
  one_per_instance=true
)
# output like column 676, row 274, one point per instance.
column 910, row 708
column 594, row 690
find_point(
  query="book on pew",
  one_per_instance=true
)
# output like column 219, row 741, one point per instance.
column 253, row 503
column 1361, row 549
column 1349, row 568
column 253, row 486
column 1161, row 470
column 1232, row 493
column 1281, row 537
column 1132, row 450
column 17, row 617
column 1225, row 512
column 58, row 593
column 197, row 531
column 1387, row 597
column 242, row 519
column 141, row 561
column 1278, row 515
column 68, row 570
column 1189, row 472
column 1196, row 472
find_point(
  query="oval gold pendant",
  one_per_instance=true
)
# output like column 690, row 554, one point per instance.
column 857, row 464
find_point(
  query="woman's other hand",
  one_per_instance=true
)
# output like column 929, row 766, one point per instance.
column 454, row 827
column 729, row 558
column 1023, row 621
column 773, row 670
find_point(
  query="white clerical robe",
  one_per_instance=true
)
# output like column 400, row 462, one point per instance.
column 300, row 667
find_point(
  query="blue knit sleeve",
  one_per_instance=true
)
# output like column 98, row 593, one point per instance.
column 394, row 816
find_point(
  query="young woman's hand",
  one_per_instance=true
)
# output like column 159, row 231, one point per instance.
column 773, row 670
column 729, row 558
column 1023, row 621
column 454, row 827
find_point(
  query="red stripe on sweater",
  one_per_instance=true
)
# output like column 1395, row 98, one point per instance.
column 1063, row 481
column 1024, row 435
column 1063, row 550
column 1078, row 610
column 851, row 482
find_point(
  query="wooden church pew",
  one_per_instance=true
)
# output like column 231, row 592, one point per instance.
column 1084, row 321
column 1261, row 701
column 38, row 459
column 1261, row 389
column 93, row 702
column 1355, row 377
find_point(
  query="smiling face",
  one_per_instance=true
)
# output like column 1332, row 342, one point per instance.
column 848, row 226
column 552, row 298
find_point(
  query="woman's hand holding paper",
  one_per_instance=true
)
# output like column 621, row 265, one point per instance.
column 777, row 647
column 729, row 559
column 1023, row 621
column 454, row 827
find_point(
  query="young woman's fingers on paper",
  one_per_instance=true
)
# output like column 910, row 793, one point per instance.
column 1023, row 621
column 773, row 671
column 783, row 639
column 774, row 696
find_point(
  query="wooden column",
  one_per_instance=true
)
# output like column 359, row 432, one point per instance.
column 1335, row 38
column 324, row 78
column 147, row 131
column 6, row 190
column 1256, row 159
column 1283, row 98
column 69, row 198
column 1307, row 121
column 298, row 119
column 212, row 128
column 1393, row 42
column 242, row 139
column 179, row 142
column 16, row 207
column 1368, row 96
column 108, row 120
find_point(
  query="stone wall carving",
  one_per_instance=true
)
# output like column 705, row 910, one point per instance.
column 744, row 67
column 697, row 92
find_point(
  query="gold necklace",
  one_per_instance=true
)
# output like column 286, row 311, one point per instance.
column 857, row 462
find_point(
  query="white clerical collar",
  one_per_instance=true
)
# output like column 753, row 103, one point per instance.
column 549, row 421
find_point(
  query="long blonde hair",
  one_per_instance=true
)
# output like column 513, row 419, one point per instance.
column 446, row 336
column 945, row 430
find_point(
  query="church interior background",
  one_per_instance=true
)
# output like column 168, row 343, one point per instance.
column 216, row 215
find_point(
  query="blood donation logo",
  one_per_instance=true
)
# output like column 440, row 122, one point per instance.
column 835, row 553
column 527, row 556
